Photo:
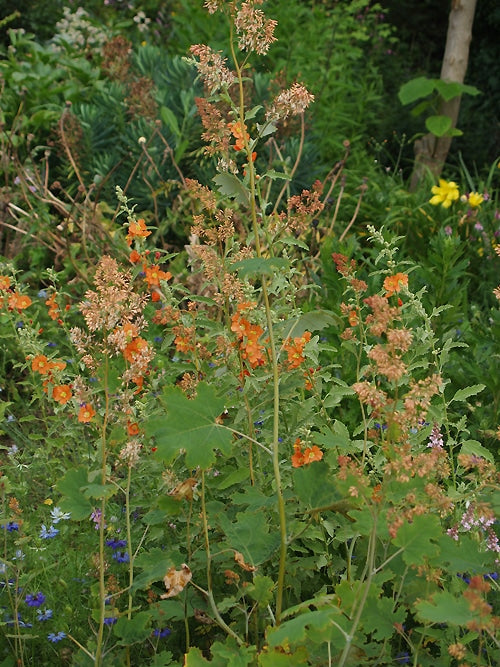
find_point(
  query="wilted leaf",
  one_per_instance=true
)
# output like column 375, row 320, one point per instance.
column 238, row 557
column 176, row 580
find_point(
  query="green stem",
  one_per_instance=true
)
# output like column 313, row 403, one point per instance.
column 272, row 348
column 370, row 562
column 102, row 561
column 209, row 593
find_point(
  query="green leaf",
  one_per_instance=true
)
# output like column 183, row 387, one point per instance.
column 235, row 477
column 168, row 117
column 416, row 89
column 279, row 659
column 273, row 175
column 231, row 654
column 255, row 266
column 230, row 185
column 99, row 491
column 261, row 590
column 154, row 564
column 314, row 486
column 450, row 89
column 443, row 607
column 467, row 392
column 265, row 129
column 249, row 534
column 253, row 112
column 190, row 426
column 415, row 538
column 133, row 631
column 71, row 488
column 309, row 626
column 438, row 125
column 194, row 658
column 379, row 617
column 312, row 321
column 474, row 448
column 463, row 555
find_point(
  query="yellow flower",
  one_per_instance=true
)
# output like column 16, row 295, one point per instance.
column 445, row 193
column 48, row 501
column 475, row 199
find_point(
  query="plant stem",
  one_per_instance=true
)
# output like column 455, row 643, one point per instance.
column 370, row 561
column 102, row 583
column 272, row 348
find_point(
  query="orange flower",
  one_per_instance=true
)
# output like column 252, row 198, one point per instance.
column 138, row 380
column 301, row 458
column 53, row 307
column 86, row 413
column 40, row 364
column 62, row 393
column 133, row 428
column 154, row 275
column 240, row 134
column 18, row 301
column 394, row 283
column 353, row 318
column 137, row 229
column 297, row 457
column 4, row 283
column 134, row 348
column 58, row 365
column 135, row 257
column 295, row 348
column 313, row 453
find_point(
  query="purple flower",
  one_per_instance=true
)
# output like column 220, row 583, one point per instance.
column 35, row 600
column 110, row 620
column 55, row 637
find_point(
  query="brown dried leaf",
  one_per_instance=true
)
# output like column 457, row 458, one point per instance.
column 176, row 580
column 184, row 489
column 241, row 562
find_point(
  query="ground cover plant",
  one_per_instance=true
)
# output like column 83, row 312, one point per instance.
column 271, row 444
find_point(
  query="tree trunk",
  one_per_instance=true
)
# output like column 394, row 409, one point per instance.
column 431, row 151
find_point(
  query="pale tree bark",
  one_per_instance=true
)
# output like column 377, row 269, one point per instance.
column 431, row 151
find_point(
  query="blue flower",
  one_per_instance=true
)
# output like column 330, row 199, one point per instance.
column 116, row 544
column 20, row 622
column 42, row 294
column 57, row 515
column 55, row 637
column 161, row 632
column 35, row 600
column 11, row 526
column 110, row 620
column 121, row 556
column 47, row 533
column 44, row 615
column 402, row 658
